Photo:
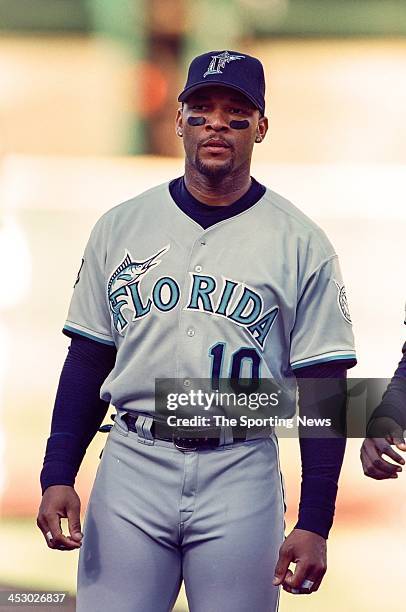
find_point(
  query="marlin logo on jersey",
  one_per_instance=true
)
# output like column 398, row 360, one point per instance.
column 125, row 275
column 218, row 62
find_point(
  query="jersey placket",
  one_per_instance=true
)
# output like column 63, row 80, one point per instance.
column 190, row 346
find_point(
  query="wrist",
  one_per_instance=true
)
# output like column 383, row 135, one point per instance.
column 298, row 530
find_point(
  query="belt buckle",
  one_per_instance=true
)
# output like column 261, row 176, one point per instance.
column 193, row 444
column 185, row 444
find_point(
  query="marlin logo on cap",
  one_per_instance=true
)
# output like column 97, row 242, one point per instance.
column 218, row 62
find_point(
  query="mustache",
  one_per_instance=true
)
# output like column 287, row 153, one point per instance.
column 223, row 140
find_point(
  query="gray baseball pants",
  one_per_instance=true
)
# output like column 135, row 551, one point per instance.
column 157, row 516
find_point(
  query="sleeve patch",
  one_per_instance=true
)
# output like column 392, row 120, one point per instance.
column 80, row 270
column 343, row 302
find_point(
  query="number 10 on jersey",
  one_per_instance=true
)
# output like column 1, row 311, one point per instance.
column 243, row 358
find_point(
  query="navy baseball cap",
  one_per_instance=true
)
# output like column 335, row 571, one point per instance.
column 231, row 69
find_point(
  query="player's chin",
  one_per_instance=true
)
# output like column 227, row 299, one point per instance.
column 214, row 168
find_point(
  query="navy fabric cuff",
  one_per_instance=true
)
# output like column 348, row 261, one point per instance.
column 57, row 473
column 316, row 520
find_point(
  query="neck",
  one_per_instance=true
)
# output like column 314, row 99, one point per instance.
column 217, row 192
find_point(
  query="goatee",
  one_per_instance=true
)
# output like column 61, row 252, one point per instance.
column 213, row 172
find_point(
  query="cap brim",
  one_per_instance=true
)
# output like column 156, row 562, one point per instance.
column 202, row 84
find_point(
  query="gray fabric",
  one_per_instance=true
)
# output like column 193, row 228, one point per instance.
column 155, row 283
column 157, row 515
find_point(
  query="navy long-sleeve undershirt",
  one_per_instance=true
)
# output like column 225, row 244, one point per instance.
column 78, row 410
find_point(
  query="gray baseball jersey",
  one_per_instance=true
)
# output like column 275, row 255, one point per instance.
column 257, row 295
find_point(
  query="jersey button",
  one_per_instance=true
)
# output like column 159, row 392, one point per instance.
column 203, row 242
column 191, row 332
column 186, row 382
column 198, row 268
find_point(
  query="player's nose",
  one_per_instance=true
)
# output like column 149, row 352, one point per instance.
column 217, row 119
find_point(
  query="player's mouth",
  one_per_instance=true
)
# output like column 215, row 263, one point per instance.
column 216, row 145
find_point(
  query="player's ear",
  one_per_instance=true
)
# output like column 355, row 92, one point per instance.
column 179, row 122
column 262, row 128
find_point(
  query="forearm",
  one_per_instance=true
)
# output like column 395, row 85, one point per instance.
column 322, row 459
column 78, row 410
column 321, row 456
column 393, row 404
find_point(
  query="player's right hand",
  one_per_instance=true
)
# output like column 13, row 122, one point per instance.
column 60, row 501
column 373, row 448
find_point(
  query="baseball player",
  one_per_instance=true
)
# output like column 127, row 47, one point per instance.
column 211, row 275
column 386, row 428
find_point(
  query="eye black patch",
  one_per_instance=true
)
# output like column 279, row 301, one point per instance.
column 239, row 125
column 196, row 120
column 235, row 125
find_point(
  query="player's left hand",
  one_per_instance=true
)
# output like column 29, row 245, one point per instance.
column 308, row 551
column 383, row 433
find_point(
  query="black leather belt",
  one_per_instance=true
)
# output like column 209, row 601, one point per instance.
column 185, row 439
